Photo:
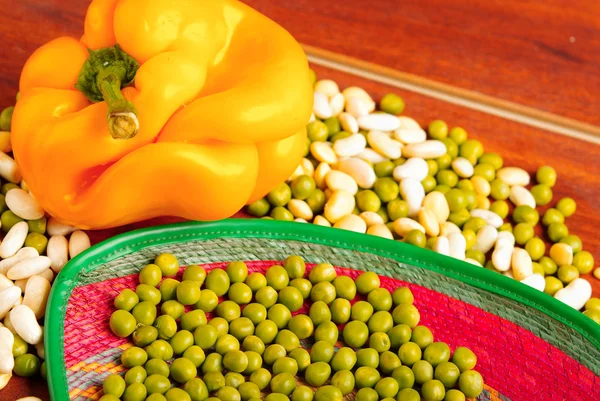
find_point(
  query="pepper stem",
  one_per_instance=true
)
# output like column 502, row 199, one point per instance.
column 122, row 117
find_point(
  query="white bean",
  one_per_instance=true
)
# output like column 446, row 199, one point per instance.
column 327, row 87
column 22, row 254
column 78, row 243
column 350, row 146
column 415, row 167
column 323, row 152
column 321, row 221
column 14, row 240
column 462, row 167
column 522, row 266
column 413, row 193
column 438, row 204
column 320, row 173
column 4, row 379
column 429, row 149
column 23, row 205
column 379, row 122
column 404, row 225
column 8, row 298
column 39, row 347
column 502, row 255
column 562, row 254
column 371, row 156
column 356, row 107
column 442, row 246
column 22, row 283
column 9, row 169
column 490, row 217
column 521, row 196
column 352, row 222
column 513, row 176
column 58, row 252
column 7, row 361
column 360, row 93
column 410, row 135
column 29, row 267
column 37, row 291
column 300, row 220
column 5, row 282
column 360, row 170
column 348, row 123
column 536, row 281
column 409, row 123
column 25, row 324
column 321, row 106
column 447, row 228
column 339, row 205
column 429, row 222
column 380, row 230
column 337, row 180
column 336, row 103
column 458, row 245
column 486, row 238
column 575, row 294
column 55, row 227
column 384, row 145
column 29, row 398
column 48, row 274
column 300, row 209
column 371, row 218
column 481, row 186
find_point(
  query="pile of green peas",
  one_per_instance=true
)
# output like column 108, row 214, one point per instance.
column 288, row 334
column 386, row 200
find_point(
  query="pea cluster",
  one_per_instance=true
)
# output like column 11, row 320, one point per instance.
column 279, row 336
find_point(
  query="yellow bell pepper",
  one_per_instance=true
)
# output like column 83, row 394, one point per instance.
column 213, row 119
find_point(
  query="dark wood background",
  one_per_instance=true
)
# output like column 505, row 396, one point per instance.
column 541, row 53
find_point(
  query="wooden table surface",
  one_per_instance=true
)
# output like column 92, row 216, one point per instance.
column 537, row 53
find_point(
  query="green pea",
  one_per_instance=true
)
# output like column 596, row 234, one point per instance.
column 485, row 171
column 302, row 393
column 168, row 264
column 333, row 125
column 205, row 336
column 35, row 226
column 406, row 314
column 367, row 282
column 196, row 388
column 168, row 289
column 464, row 359
column 366, row 377
column 465, row 184
column 399, row 335
column 386, row 189
column 368, row 201
column 566, row 206
column 388, row 361
column 573, row 241
column 362, row 311
column 340, row 310
column 181, row 341
column 444, row 162
column 402, row 295
column 157, row 384
column 253, row 343
column 458, row 135
column 368, row 394
column 137, row 374
column 212, row 364
column 552, row 216
column 416, row 238
column 404, row 376
column 248, row 390
column 456, row 200
column 567, row 273
column 542, row 194
column 500, row 207
column 144, row 335
column 137, row 392
column 126, row 300
column 285, row 365
column 261, row 377
column 447, row 178
column 150, row 275
column 536, row 248
column 422, row 336
column 380, row 299
column 214, row 381
column 593, row 314
column 317, row 131
column 537, row 269
column 546, row 175
column 123, row 323
column 470, row 383
column 356, row 333
column 235, row 361
column 447, row 373
column 166, row 326
column 280, row 195
column 36, row 241
column 281, row 213
column 177, row 394
column 329, row 393
column 317, row 374
column 584, row 262
column 523, row 232
column 474, row 224
column 288, row 340
column 134, row 356
column 526, row 214
column 319, row 312
column 384, row 168
column 323, row 291
column 254, row 361
column 471, row 149
column 367, row 357
column 557, row 231
column 438, row 129
column 256, row 281
column 451, row 147
column 506, row 227
column 327, row 331
column 302, row 186
column 5, row 118
column 255, row 312
column 476, row 255
column 19, row 347
column 499, row 190
column 316, row 201
column 280, row 315
column 148, row 293
column 8, row 218
column 259, row 208
column 493, row 159
column 266, row 331
column 459, row 218
column 392, row 104
column 397, row 208
column 548, row 265
column 114, row 385
column 273, row 352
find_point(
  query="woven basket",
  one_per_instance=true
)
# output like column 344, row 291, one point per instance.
column 530, row 347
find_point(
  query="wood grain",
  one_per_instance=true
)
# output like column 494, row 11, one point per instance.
column 476, row 45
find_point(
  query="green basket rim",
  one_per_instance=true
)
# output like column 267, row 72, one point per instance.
column 137, row 240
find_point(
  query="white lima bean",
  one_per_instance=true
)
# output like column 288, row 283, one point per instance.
column 4, row 379
column 336, row 104
column 380, row 230
column 561, row 254
column 8, row 298
column 322, row 152
column 321, row 221
column 362, row 95
column 9, row 169
column 328, row 87
column 442, row 246
column 23, row 205
column 430, row 149
column 7, row 361
column 410, row 135
column 575, row 294
column 14, row 240
column 384, row 145
column 462, row 167
column 413, row 193
column 457, row 245
column 371, row 156
column 438, row 204
column 321, row 106
column 55, row 227
column 300, row 209
column 39, row 347
column 25, row 324
column 348, row 123
column 429, row 222
column 350, row 146
column 447, row 228
column 522, row 266
column 337, row 180
column 320, row 173
column 29, row 267
column 5, row 282
column 379, row 122
column 414, row 167
column 404, row 225
column 481, row 186
column 21, row 284
column 490, row 217
column 78, row 243
column 299, row 220
column 536, row 281
column 58, row 252
column 339, row 205
column 521, row 196
column 513, row 176
column 486, row 238
column 48, row 274
column 360, row 170
column 37, row 291
column 352, row 222
column 371, row 218
column 22, row 254
column 356, row 107
column 502, row 255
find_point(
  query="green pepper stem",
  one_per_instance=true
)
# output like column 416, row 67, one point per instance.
column 122, row 117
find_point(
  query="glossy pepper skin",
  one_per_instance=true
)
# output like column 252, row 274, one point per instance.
column 222, row 96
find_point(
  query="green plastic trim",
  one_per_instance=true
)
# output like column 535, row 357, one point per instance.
column 134, row 241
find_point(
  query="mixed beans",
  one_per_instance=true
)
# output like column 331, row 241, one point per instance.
column 290, row 334
column 378, row 172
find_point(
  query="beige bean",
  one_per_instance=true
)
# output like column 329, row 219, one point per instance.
column 458, row 245
column 415, row 167
column 8, row 298
column 521, row 196
column 379, row 122
column 323, row 152
column 5, row 282
column 337, row 180
column 442, row 246
column 522, row 266
column 9, row 169
column 413, row 193
column 356, row 107
column 508, row 274
column 22, row 254
column 408, row 123
column 36, row 295
column 23, row 205
column 7, row 361
column 29, row 267
column 429, row 149
column 25, row 324
column 380, row 230
column 307, row 167
column 490, row 217
column 327, row 87
column 575, row 294
column 55, row 227
column 410, row 135
column 78, row 243
column 486, row 238
column 429, row 222
column 483, row 202
column 437, row 203
column 348, row 123
column 371, row 156
column 321, row 221
column 48, row 274
column 4, row 379
column 297, row 173
column 597, row 273
column 8, row 324
column 561, row 254
column 502, row 255
column 357, row 92
column 384, row 145
column 536, row 281
column 359, row 170
column 58, row 252
column 300, row 220
column 14, row 240
column 404, row 225
column 481, row 186
column 371, row 218
column 513, row 176
column 462, row 167
column 339, row 205
column 321, row 106
column 39, row 347
column 447, row 228
column 350, row 146
column 320, row 173
column 300, row 209
column 22, row 283
column 352, row 222
column 336, row 103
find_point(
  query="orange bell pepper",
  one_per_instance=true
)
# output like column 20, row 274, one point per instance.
column 214, row 119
